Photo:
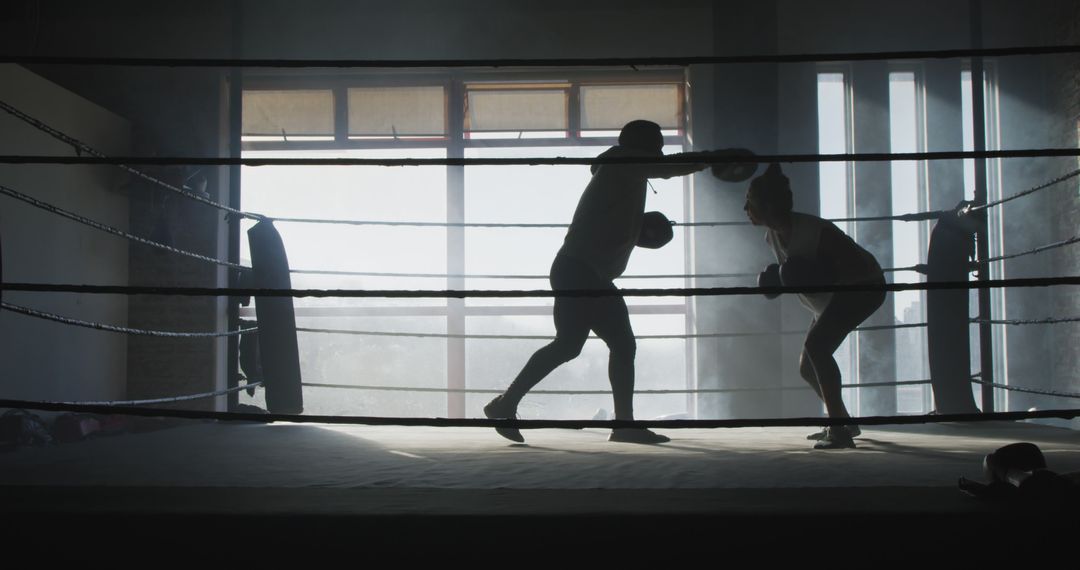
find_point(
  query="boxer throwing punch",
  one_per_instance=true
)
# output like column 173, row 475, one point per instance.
column 811, row 251
column 609, row 221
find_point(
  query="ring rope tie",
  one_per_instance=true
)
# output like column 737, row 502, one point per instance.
column 538, row 424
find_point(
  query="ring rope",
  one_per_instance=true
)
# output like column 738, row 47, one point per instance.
column 539, row 293
column 921, row 268
column 703, row 158
column 81, row 147
column 911, row 217
column 631, row 62
column 114, row 231
column 112, row 328
column 1039, row 249
column 493, row 276
column 101, row 326
column 374, row 388
column 541, row 337
column 1032, row 190
column 539, row 424
column 167, row 400
column 1046, row 321
column 1028, row 390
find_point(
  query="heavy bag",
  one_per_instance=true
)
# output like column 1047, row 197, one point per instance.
column 952, row 243
column 278, row 351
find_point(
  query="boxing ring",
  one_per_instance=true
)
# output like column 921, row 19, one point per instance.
column 280, row 472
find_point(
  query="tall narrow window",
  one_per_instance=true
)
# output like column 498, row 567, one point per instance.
column 837, row 198
column 909, row 239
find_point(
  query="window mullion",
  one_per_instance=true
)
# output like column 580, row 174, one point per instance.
column 341, row 115
column 455, row 249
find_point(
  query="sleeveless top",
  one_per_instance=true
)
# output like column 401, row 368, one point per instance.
column 806, row 231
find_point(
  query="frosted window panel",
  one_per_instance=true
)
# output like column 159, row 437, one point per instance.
column 612, row 106
column 525, row 195
column 517, row 110
column 832, row 139
column 550, row 194
column 353, row 193
column 294, row 112
column 404, row 111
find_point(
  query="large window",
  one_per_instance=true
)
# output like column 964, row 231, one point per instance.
column 503, row 115
column 909, row 193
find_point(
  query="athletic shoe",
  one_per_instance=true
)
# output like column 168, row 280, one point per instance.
column 836, row 439
column 498, row 409
column 635, row 435
column 854, row 431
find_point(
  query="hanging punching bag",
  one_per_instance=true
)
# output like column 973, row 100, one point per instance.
column 952, row 244
column 278, row 351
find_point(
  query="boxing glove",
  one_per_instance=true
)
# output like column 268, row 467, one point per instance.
column 770, row 277
column 734, row 171
column 656, row 231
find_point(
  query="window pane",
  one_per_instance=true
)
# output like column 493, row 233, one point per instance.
column 909, row 239
column 660, row 365
column 612, row 106
column 516, row 110
column 397, row 111
column 549, row 194
column 358, row 193
column 354, row 360
column 295, row 112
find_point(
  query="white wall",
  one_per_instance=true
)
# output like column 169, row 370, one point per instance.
column 41, row 360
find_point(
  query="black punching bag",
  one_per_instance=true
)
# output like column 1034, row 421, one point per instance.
column 952, row 244
column 278, row 351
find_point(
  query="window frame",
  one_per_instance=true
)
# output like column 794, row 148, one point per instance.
column 455, row 140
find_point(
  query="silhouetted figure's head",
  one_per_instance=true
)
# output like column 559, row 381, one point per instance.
column 642, row 135
column 769, row 198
